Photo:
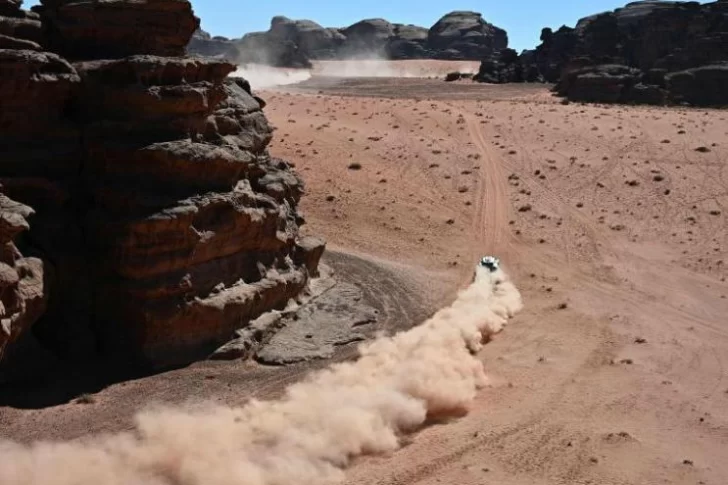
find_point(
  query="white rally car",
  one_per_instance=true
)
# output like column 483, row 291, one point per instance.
column 490, row 262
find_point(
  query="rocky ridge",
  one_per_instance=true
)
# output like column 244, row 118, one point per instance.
column 158, row 221
column 459, row 35
column 650, row 52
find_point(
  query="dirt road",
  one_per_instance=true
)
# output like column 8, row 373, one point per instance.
column 612, row 220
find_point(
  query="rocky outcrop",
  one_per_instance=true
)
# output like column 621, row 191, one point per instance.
column 603, row 83
column 366, row 38
column 505, row 66
column 204, row 44
column 465, row 35
column 294, row 43
column 683, row 41
column 23, row 296
column 262, row 48
column 153, row 197
column 313, row 40
column 408, row 42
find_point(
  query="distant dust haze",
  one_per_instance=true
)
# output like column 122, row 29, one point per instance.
column 262, row 76
column 310, row 435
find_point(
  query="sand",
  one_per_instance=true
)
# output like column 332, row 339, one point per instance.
column 611, row 221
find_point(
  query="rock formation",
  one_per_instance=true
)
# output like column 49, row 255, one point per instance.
column 408, row 42
column 506, row 66
column 465, row 35
column 294, row 43
column 158, row 222
column 669, row 52
column 204, row 44
column 23, row 297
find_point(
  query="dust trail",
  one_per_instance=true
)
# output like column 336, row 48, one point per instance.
column 261, row 76
column 371, row 67
column 311, row 434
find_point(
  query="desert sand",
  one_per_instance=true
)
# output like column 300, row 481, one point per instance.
column 609, row 219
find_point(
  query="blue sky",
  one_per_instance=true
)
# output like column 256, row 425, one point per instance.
column 523, row 19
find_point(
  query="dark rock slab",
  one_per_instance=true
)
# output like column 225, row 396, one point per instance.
column 338, row 317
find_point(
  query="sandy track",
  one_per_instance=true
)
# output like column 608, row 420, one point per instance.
column 608, row 211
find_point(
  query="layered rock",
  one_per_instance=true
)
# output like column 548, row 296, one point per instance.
column 111, row 29
column 683, row 41
column 23, row 296
column 167, row 223
column 40, row 162
column 294, row 43
column 19, row 29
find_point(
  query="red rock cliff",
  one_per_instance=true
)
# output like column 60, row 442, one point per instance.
column 165, row 221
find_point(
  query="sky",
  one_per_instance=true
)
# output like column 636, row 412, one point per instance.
column 523, row 19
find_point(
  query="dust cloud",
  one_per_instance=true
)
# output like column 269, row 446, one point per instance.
column 261, row 76
column 309, row 435
column 368, row 67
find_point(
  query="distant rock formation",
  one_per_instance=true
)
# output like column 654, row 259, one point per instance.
column 294, row 43
column 204, row 44
column 647, row 52
column 465, row 36
column 153, row 221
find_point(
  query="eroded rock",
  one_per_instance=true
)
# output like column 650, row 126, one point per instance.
column 150, row 187
column 685, row 42
column 23, row 296
column 295, row 43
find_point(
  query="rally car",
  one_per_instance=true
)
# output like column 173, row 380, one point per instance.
column 490, row 262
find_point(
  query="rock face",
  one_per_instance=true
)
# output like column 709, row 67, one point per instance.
column 679, row 49
column 150, row 187
column 366, row 38
column 465, row 35
column 262, row 48
column 23, row 297
column 294, row 43
column 90, row 29
column 505, row 66
column 204, row 44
